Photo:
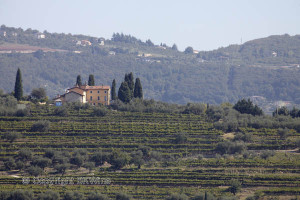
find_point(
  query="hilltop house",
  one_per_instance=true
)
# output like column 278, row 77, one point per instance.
column 94, row 95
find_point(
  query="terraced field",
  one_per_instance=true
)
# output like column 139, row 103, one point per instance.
column 189, row 167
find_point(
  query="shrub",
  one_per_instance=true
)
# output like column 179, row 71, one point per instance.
column 181, row 138
column 246, row 137
column 177, row 197
column 25, row 154
column 99, row 158
column 283, row 133
column 22, row 112
column 41, row 162
column 21, row 195
column 228, row 147
column 235, row 186
column 77, row 160
column 99, row 111
column 61, row 111
column 119, row 159
column 40, row 126
column 122, row 196
column 266, row 154
column 49, row 195
column 96, row 196
column 204, row 196
column 11, row 136
column 194, row 108
column 73, row 196
column 10, row 164
column 61, row 168
column 35, row 170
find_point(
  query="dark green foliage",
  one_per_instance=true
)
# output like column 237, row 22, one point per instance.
column 119, row 159
column 49, row 153
column 180, row 138
column 283, row 132
column 97, row 196
column 138, row 90
column 189, row 50
column 235, row 186
column 61, row 111
column 281, row 111
column 8, row 106
column 228, row 147
column 78, row 80
column 73, row 196
column 91, row 81
column 246, row 106
column 195, row 108
column 124, row 93
column 266, row 154
column 89, row 165
column 4, row 195
column 40, row 126
column 122, row 196
column 38, row 94
column 25, row 154
column 77, row 160
column 130, row 82
column 49, row 195
column 100, row 157
column 149, row 42
column 11, row 136
column 41, row 162
column 113, row 90
column 10, row 164
column 295, row 112
column 61, row 168
column 137, row 158
column 204, row 196
column 35, row 170
column 174, row 47
column 22, row 112
column 21, row 195
column 246, row 137
column 177, row 197
column 99, row 111
column 18, row 85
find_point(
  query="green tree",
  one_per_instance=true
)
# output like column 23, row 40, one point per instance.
column 113, row 90
column 130, row 82
column 49, row 195
column 189, row 50
column 18, row 85
column 246, row 106
column 38, row 93
column 124, row 93
column 122, row 196
column 235, row 186
column 91, row 81
column 78, row 80
column 138, row 90
column 174, row 47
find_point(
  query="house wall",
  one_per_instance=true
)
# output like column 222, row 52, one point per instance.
column 103, row 94
column 73, row 97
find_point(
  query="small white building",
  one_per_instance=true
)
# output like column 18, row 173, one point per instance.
column 40, row 36
column 112, row 53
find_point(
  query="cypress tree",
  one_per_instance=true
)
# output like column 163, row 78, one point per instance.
column 130, row 82
column 124, row 93
column 78, row 81
column 113, row 90
column 138, row 90
column 18, row 85
column 91, row 81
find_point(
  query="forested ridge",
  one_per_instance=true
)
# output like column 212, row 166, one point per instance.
column 267, row 67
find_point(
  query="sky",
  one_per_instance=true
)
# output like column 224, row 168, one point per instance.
column 201, row 24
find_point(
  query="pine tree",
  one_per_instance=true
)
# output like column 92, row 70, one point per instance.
column 113, row 90
column 18, row 85
column 138, row 90
column 124, row 93
column 91, row 81
column 78, row 81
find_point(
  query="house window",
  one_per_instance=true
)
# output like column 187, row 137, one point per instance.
column 105, row 91
column 91, row 98
column 94, row 104
column 98, row 97
column 98, row 91
column 105, row 98
column 91, row 91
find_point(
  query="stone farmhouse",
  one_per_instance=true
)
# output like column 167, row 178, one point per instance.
column 94, row 95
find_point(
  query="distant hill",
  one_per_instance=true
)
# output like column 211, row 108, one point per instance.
column 267, row 67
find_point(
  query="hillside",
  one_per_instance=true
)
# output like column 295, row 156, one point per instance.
column 149, row 155
column 267, row 67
